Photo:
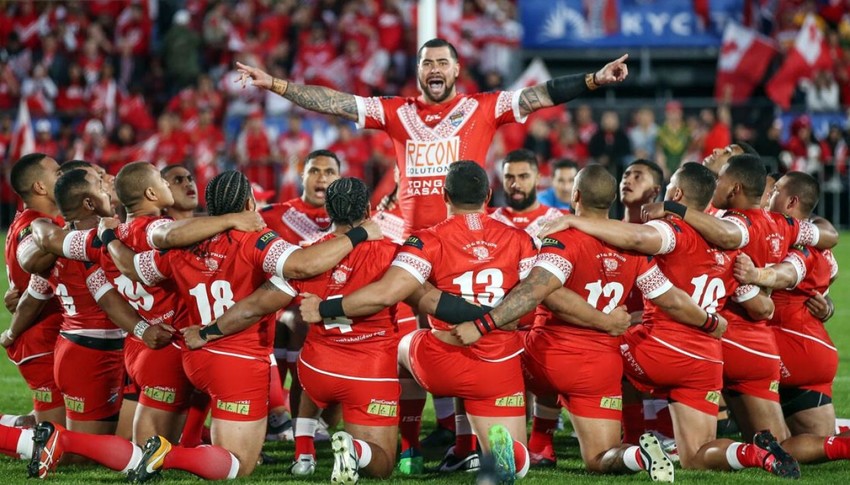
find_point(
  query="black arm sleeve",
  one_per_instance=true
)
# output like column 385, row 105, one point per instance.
column 454, row 309
column 564, row 88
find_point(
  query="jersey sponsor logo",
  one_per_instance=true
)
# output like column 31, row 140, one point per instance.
column 480, row 252
column 549, row 242
column 417, row 188
column 24, row 233
column 76, row 404
column 431, row 118
column 211, row 264
column 513, row 401
column 739, row 214
column 161, row 394
column 713, row 397
column 42, row 395
column 339, row 277
column 610, row 264
column 774, row 386
column 611, row 402
column 265, row 239
column 378, row 407
column 430, row 158
column 456, row 119
column 774, row 242
column 719, row 257
column 238, row 407
column 414, row 242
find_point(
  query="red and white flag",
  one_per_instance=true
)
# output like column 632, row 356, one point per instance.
column 23, row 138
column 744, row 57
column 808, row 55
column 535, row 73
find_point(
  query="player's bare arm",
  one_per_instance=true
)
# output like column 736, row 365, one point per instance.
column 318, row 258
column 760, row 307
column 186, row 232
column 562, row 89
column 719, row 232
column 821, row 306
column 314, row 98
column 123, row 256
column 624, row 235
column 11, row 298
column 777, row 277
column 827, row 235
column 36, row 258
column 266, row 299
column 125, row 317
column 25, row 316
column 570, row 307
column 679, row 306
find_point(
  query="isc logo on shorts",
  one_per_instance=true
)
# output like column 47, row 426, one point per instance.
column 243, row 408
column 713, row 397
column 611, row 402
column 78, row 405
column 160, row 394
column 382, row 408
column 430, row 158
column 774, row 386
column 515, row 401
column 42, row 395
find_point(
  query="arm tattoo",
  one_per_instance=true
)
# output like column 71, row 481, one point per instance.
column 534, row 98
column 323, row 100
column 269, row 286
column 523, row 298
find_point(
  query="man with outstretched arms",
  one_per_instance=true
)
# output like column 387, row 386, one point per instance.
column 210, row 277
column 472, row 255
column 603, row 275
column 809, row 358
column 439, row 127
column 350, row 361
column 33, row 178
column 164, row 389
column 686, row 362
column 750, row 356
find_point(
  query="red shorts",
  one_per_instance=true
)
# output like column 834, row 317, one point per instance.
column 808, row 362
column 588, row 382
column 365, row 401
column 654, row 367
column 91, row 381
column 158, row 374
column 488, row 389
column 238, row 387
column 751, row 361
column 38, row 373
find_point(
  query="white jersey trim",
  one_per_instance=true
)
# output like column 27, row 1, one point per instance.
column 515, row 95
column 745, row 293
column 29, row 358
column 799, row 268
column 349, row 378
column 684, row 352
column 503, row 359
column 813, row 339
column 416, row 266
column 749, row 350
column 74, row 245
column 668, row 236
column 111, row 333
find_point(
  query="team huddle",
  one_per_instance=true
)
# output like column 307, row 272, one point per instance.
column 132, row 330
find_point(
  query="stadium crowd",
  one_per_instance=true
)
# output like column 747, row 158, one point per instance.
column 366, row 308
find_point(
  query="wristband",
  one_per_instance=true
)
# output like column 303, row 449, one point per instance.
column 830, row 310
column 279, row 86
column 484, row 324
column 454, row 309
column 357, row 235
column 710, row 324
column 209, row 330
column 331, row 308
column 590, row 81
column 108, row 236
column 675, row 208
column 140, row 328
column 564, row 88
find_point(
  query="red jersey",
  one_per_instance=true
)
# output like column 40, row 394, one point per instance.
column 297, row 222
column 78, row 286
column 704, row 272
column 766, row 238
column 428, row 138
column 815, row 269
column 531, row 222
column 39, row 339
column 391, row 224
column 213, row 275
column 478, row 258
column 361, row 341
column 602, row 274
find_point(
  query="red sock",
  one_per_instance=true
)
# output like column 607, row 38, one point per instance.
column 276, row 391
column 358, row 448
column 9, row 441
column 520, row 459
column 465, row 444
column 110, row 451
column 633, row 423
column 199, row 406
column 207, row 462
column 542, row 431
column 751, row 456
column 410, row 422
column 664, row 422
column 448, row 422
column 305, row 445
column 639, row 459
column 837, row 448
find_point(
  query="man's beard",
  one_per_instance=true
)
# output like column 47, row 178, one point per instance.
column 524, row 203
column 426, row 92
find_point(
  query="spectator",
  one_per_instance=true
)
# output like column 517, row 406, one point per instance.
column 256, row 152
column 673, row 139
column 560, row 194
column 53, row 60
column 181, row 52
column 610, row 146
column 719, row 134
column 72, row 100
column 353, row 150
column 768, row 144
column 10, row 88
column 822, row 93
column 44, row 142
column 643, row 134
column 39, row 91
column 172, row 145
column 567, row 145
column 585, row 125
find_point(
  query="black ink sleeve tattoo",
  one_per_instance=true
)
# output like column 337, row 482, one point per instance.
column 323, row 100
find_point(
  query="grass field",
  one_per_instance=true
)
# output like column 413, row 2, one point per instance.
column 15, row 399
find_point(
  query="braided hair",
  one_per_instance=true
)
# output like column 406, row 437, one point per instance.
column 227, row 193
column 347, row 201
